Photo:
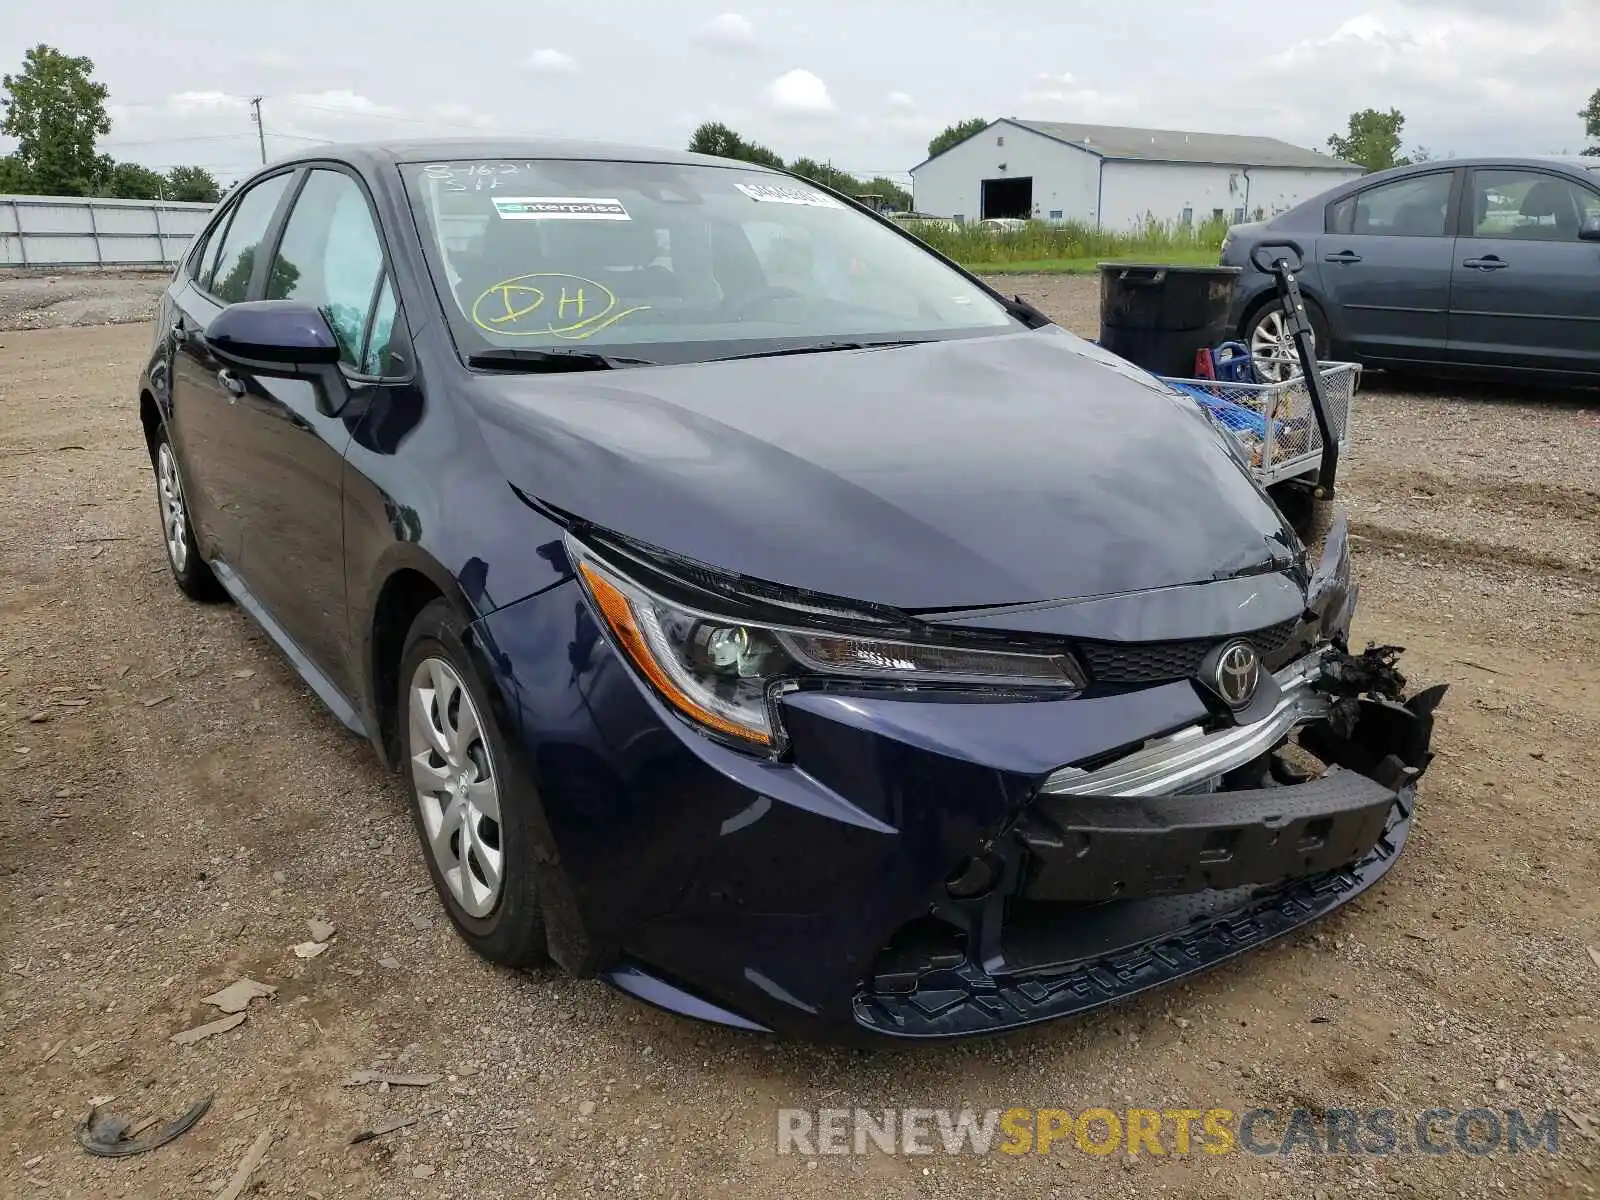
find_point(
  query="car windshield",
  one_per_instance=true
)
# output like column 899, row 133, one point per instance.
column 669, row 262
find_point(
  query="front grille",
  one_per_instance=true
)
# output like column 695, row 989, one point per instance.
column 1157, row 662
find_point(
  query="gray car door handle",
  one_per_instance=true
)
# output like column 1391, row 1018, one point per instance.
column 179, row 333
column 1344, row 256
column 231, row 383
column 1491, row 263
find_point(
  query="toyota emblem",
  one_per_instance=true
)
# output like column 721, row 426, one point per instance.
column 1238, row 673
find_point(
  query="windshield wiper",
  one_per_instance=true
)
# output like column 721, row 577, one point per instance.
column 823, row 348
column 526, row 359
column 1025, row 312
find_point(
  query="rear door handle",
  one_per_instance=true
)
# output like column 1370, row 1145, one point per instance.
column 1344, row 256
column 1488, row 263
column 231, row 383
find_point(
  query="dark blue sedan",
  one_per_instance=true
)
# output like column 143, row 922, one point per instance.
column 1486, row 267
column 764, row 614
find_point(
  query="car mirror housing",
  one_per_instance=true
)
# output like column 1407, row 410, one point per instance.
column 283, row 332
column 283, row 338
column 1590, row 230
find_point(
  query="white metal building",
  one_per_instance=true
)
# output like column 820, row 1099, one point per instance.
column 1115, row 177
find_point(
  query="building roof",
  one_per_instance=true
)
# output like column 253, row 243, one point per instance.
column 1120, row 142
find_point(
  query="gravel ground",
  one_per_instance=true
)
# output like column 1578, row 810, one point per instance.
column 33, row 300
column 178, row 807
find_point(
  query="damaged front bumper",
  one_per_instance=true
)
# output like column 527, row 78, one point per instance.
column 1171, row 858
column 925, row 865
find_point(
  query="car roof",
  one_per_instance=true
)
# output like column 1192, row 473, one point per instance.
column 1569, row 162
column 419, row 150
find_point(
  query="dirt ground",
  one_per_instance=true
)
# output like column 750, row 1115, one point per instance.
column 176, row 806
column 49, row 300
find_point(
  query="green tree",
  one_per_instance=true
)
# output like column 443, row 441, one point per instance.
column 236, row 282
column 55, row 111
column 1590, row 116
column 130, row 181
column 959, row 132
column 194, row 184
column 826, row 175
column 1373, row 140
column 896, row 196
column 714, row 137
column 14, row 177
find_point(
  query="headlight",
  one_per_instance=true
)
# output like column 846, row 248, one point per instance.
column 720, row 671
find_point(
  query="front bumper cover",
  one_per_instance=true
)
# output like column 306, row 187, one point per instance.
column 1096, row 897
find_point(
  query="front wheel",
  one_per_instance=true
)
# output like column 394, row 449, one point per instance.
column 468, row 800
column 1272, row 350
column 189, row 571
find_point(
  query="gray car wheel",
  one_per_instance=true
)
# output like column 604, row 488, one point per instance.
column 1272, row 351
column 475, row 810
column 189, row 571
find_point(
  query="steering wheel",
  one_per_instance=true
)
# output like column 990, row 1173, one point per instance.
column 738, row 307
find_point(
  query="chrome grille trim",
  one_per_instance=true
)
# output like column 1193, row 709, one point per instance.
column 1191, row 756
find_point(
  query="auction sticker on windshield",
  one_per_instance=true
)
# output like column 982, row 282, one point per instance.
column 777, row 193
column 559, row 208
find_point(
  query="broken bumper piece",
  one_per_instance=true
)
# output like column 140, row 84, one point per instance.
column 1178, row 854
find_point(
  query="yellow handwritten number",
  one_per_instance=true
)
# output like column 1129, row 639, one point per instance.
column 515, row 307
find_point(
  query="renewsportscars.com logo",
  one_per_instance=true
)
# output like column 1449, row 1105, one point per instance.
column 1169, row 1131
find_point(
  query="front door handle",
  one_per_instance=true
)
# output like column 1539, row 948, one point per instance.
column 1489, row 262
column 231, row 383
column 1344, row 256
column 180, row 335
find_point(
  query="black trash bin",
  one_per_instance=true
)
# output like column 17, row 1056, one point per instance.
column 1157, row 317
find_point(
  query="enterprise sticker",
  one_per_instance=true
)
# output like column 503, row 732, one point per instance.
column 780, row 193
column 559, row 208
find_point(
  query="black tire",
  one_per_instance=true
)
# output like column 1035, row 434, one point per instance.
column 1319, row 325
column 1310, row 517
column 513, row 931
column 189, row 571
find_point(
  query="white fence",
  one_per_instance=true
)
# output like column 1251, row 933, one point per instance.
column 80, row 231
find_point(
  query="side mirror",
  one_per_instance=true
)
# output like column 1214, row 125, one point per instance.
column 1589, row 231
column 282, row 338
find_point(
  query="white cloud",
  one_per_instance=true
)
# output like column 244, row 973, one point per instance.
column 730, row 31
column 799, row 93
column 181, row 101
column 900, row 101
column 341, row 101
column 551, row 62
column 454, row 113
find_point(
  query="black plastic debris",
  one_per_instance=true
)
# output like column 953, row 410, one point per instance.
column 106, row 1134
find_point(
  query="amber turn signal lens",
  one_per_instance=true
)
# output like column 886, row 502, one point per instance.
column 618, row 613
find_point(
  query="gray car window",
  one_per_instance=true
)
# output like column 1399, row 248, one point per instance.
column 229, row 279
column 1406, row 208
column 330, row 256
column 1530, row 206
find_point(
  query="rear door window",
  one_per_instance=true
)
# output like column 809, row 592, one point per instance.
column 1418, row 207
column 228, row 278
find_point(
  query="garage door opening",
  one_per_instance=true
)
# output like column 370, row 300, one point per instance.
column 1008, row 198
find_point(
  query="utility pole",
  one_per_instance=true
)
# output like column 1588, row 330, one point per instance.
column 261, row 133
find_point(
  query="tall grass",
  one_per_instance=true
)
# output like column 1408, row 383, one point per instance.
column 1048, row 241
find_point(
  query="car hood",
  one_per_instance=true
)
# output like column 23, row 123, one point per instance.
column 956, row 474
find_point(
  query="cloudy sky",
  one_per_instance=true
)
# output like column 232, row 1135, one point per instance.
column 864, row 83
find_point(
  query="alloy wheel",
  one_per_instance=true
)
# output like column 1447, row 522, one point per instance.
column 457, row 793
column 1276, row 359
column 174, row 521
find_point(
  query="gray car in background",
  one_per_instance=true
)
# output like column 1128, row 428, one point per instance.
column 1484, row 267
